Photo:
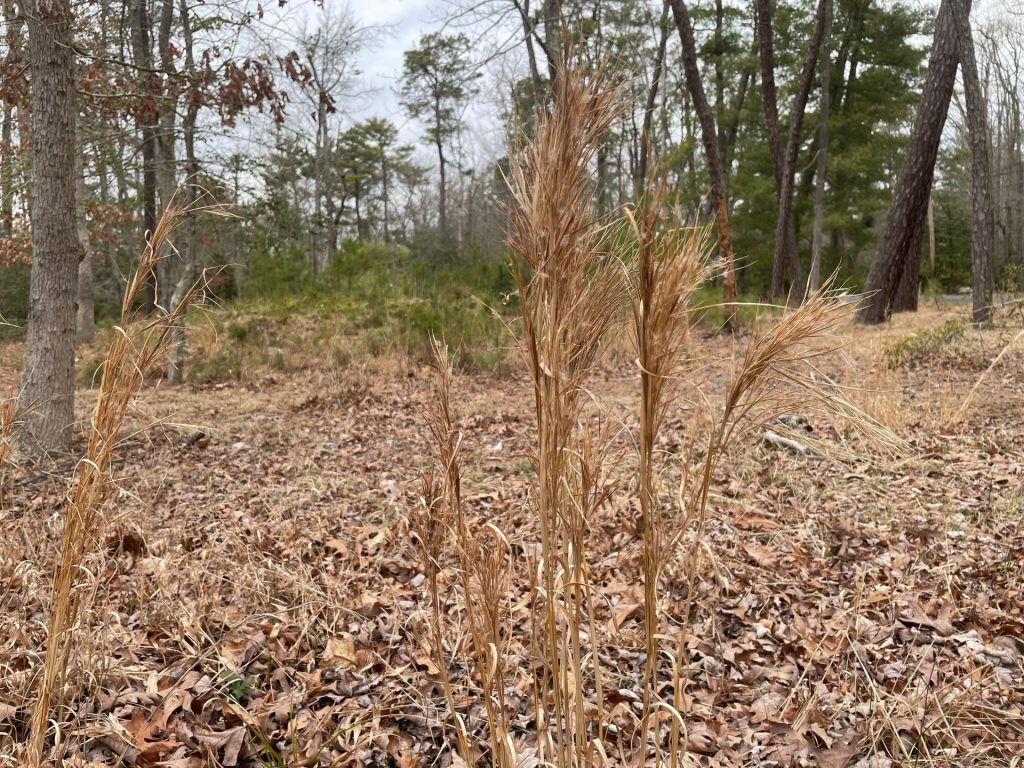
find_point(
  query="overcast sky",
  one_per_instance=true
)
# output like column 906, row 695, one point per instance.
column 401, row 23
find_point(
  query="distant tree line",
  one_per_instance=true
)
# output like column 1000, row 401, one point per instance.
column 813, row 137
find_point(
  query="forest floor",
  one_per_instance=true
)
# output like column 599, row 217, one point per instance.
column 257, row 599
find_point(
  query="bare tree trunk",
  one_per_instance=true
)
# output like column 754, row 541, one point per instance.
column 176, row 342
column 785, row 231
column 652, row 99
column 531, row 53
column 782, row 261
column 7, row 172
column 166, row 171
column 898, row 258
column 818, row 235
column 164, row 160
column 931, row 237
column 719, row 53
column 48, row 377
column 143, row 52
column 321, row 249
column 709, row 138
column 22, row 118
column 732, row 128
column 86, row 321
column 982, row 211
column 553, row 39
column 909, row 288
column 442, row 169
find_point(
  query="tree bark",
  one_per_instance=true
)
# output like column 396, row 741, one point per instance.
column 143, row 53
column 86, row 321
column 321, row 249
column 898, row 258
column 553, row 39
column 931, row 238
column 164, row 160
column 709, row 138
column 176, row 340
column 982, row 210
column 443, row 181
column 47, row 382
column 21, row 119
column 531, row 54
column 787, row 260
column 11, row 64
column 818, row 234
column 786, row 255
column 652, row 99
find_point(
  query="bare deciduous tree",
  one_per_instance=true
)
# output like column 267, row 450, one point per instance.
column 709, row 138
column 47, row 382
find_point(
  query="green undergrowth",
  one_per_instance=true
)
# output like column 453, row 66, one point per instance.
column 928, row 345
column 248, row 339
column 372, row 301
column 749, row 310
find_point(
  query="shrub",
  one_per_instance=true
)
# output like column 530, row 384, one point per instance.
column 278, row 272
column 924, row 346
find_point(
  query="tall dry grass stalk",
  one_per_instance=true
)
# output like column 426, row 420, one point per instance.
column 570, row 292
column 135, row 346
column 669, row 263
column 575, row 277
column 8, row 414
column 439, row 526
column 433, row 524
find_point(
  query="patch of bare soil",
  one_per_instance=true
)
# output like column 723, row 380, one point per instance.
column 257, row 598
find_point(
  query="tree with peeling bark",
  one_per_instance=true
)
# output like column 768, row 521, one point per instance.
column 892, row 283
column 47, row 382
column 709, row 138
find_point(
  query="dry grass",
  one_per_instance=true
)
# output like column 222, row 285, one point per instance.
column 576, row 281
column 135, row 347
column 671, row 262
column 8, row 414
column 570, row 298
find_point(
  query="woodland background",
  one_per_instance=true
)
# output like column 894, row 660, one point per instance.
column 630, row 383
column 255, row 105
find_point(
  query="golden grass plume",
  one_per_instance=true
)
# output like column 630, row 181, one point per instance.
column 136, row 344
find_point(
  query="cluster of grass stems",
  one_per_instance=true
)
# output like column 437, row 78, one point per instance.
column 137, row 345
column 578, row 279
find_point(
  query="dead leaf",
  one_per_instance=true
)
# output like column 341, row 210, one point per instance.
column 340, row 651
column 229, row 743
column 838, row 756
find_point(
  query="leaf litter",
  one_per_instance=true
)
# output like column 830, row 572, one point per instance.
column 258, row 599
